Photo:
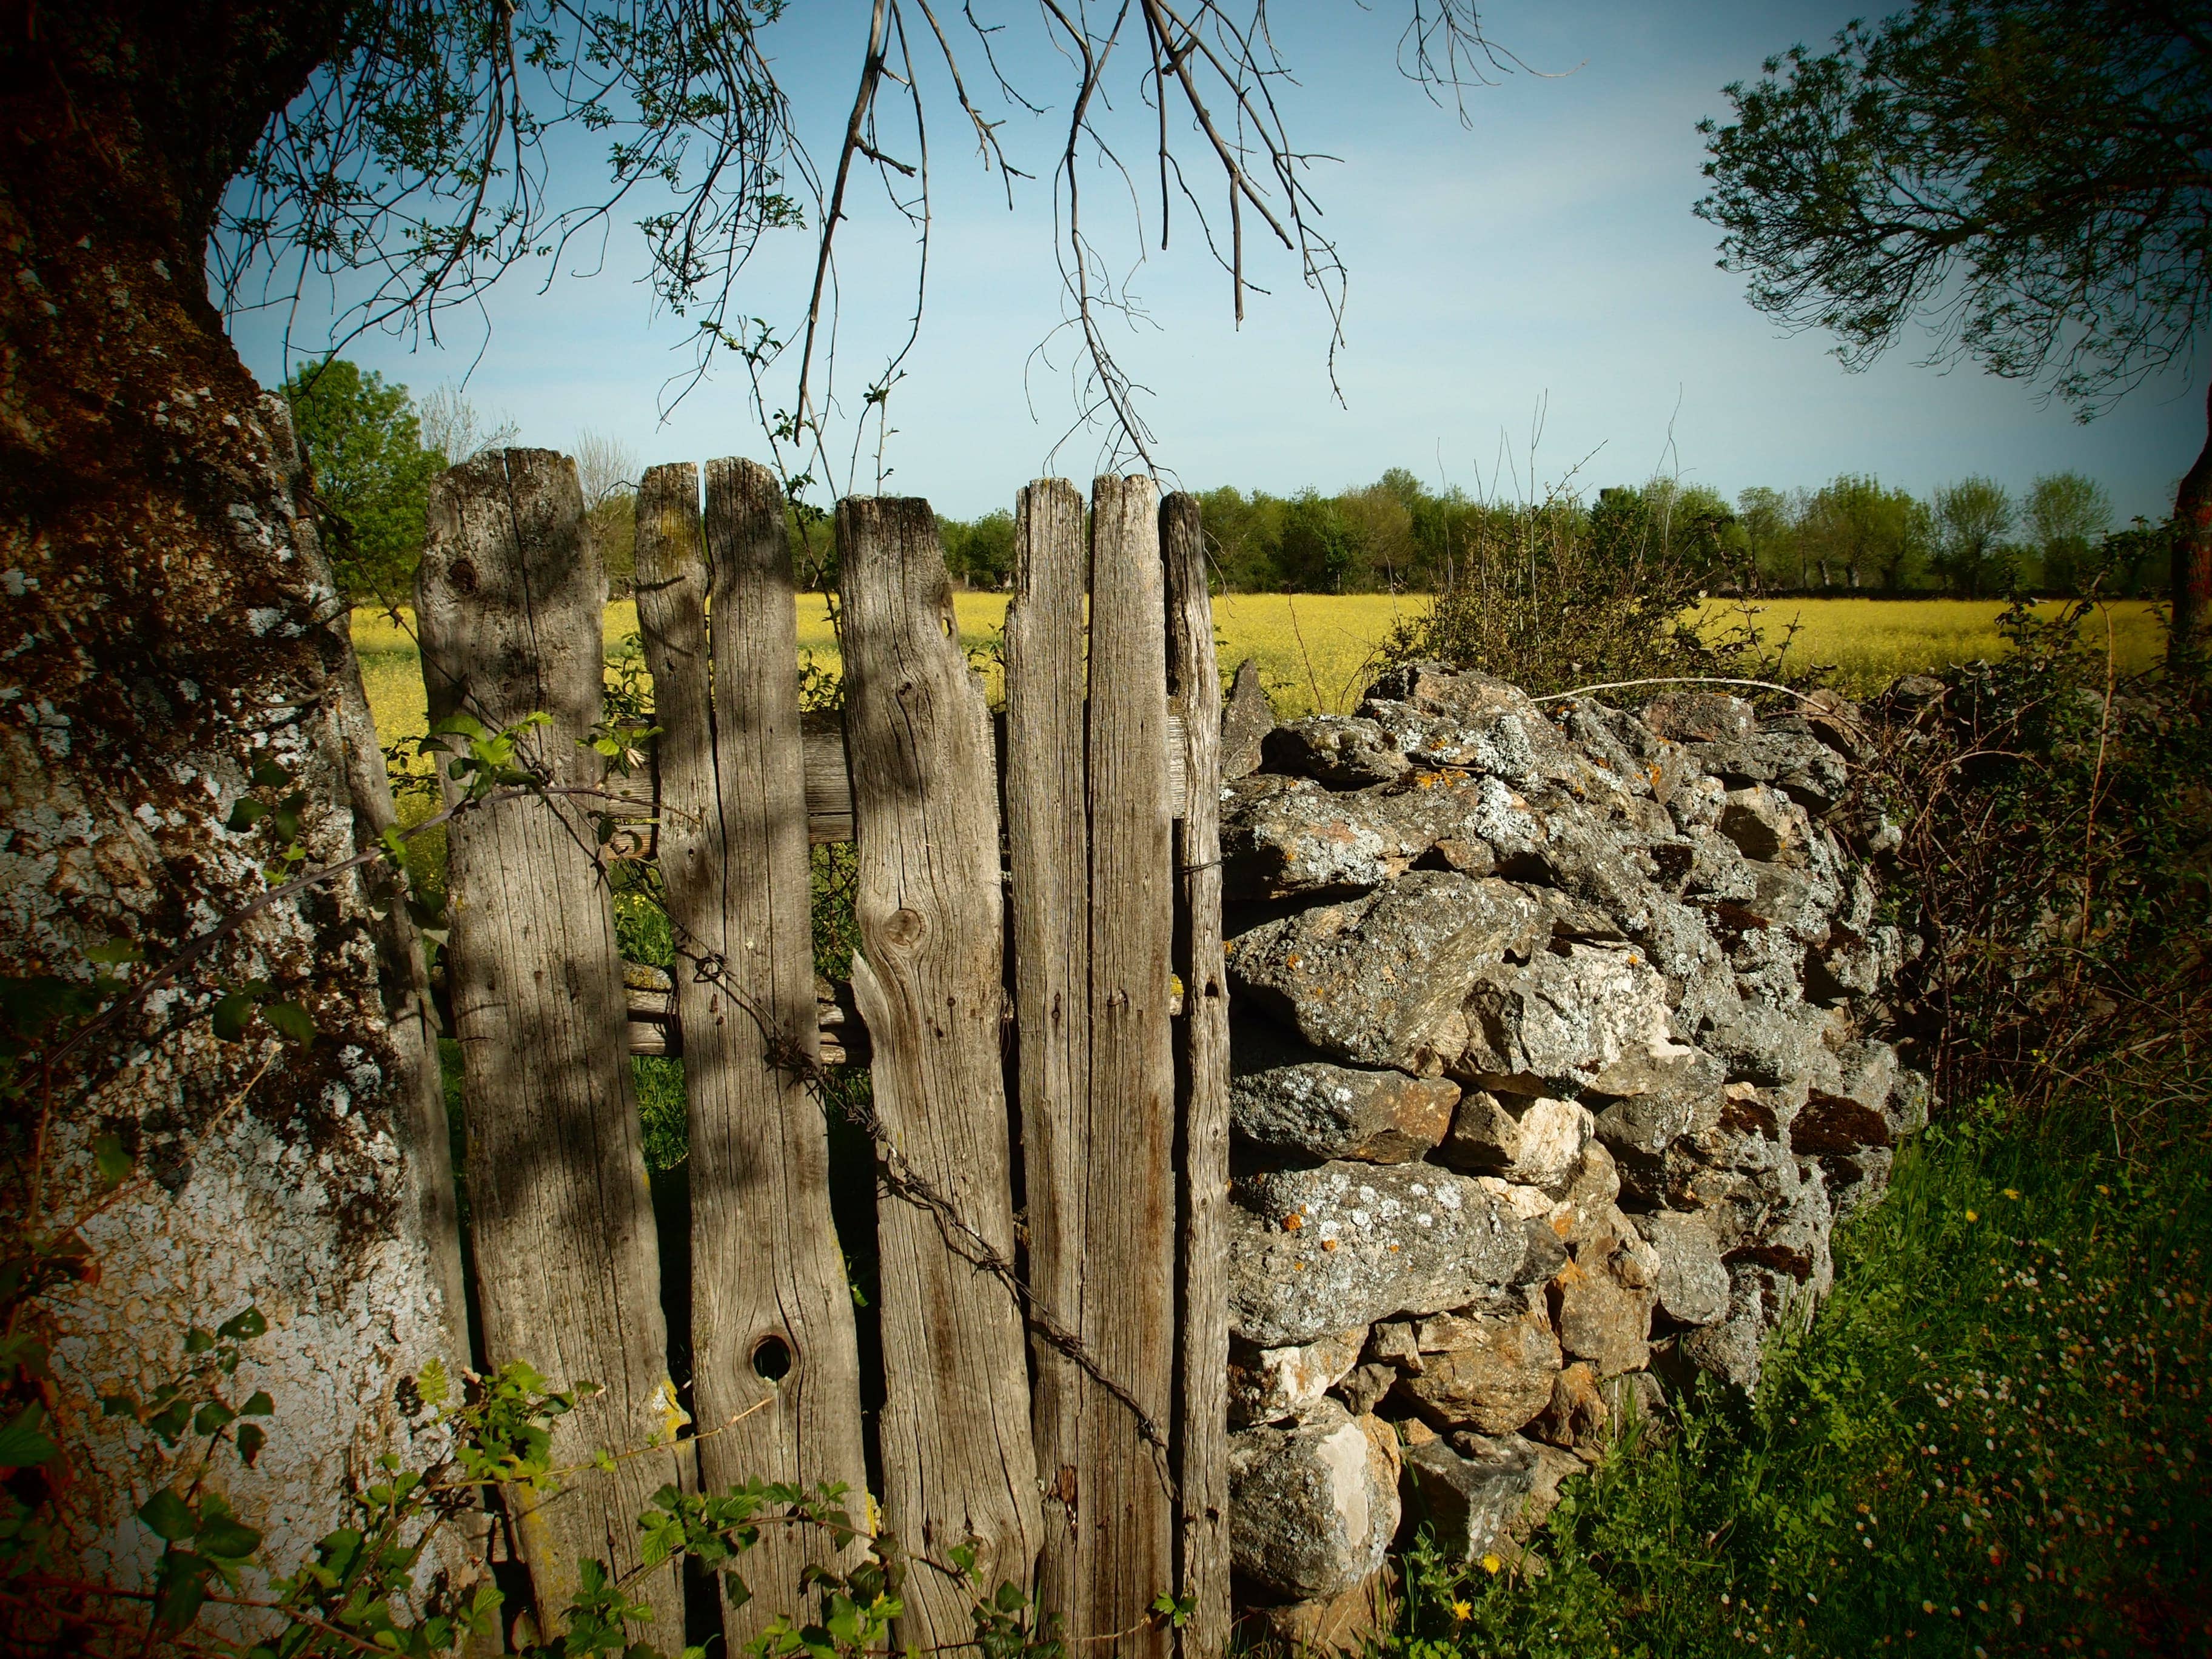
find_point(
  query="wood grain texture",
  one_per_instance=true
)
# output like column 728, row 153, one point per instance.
column 829, row 783
column 1202, row 1090
column 1049, row 845
column 1125, row 1533
column 769, row 1285
column 509, row 601
column 954, row 1429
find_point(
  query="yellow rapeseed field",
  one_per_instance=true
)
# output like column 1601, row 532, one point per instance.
column 1318, row 651
column 1872, row 641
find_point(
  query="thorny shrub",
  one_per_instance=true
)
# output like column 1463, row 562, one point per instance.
column 2054, row 863
column 1551, row 595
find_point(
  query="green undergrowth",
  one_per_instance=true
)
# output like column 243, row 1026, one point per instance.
column 1991, row 1442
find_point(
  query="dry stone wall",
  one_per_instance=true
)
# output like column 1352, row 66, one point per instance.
column 1552, row 1076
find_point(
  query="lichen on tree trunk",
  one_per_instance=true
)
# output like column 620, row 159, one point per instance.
column 169, row 624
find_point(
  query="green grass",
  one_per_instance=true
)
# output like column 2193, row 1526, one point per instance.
column 1991, row 1442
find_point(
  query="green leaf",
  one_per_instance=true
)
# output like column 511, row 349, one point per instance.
column 233, row 1014
column 270, row 775
column 213, row 1416
column 251, row 1439
column 291, row 1022
column 259, row 1405
column 432, row 1384
column 119, row 1405
column 114, row 953
column 183, row 1589
column 22, row 1441
column 229, row 1539
column 114, row 1162
column 243, row 1327
column 168, row 1517
column 245, row 814
column 197, row 1341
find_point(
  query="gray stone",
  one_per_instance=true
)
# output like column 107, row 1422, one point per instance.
column 1761, row 1043
column 1592, row 1018
column 1361, row 1388
column 1378, row 981
column 1342, row 749
column 1312, row 1507
column 1267, row 1385
column 1246, row 720
column 1312, row 1251
column 1326, row 1110
column 1852, row 1109
column 1759, row 1300
column 1486, row 1366
column 1811, row 773
column 1688, row 716
column 1477, row 1494
column 1762, row 823
column 1284, row 837
column 1692, row 1284
column 1531, row 1141
column 1586, row 1207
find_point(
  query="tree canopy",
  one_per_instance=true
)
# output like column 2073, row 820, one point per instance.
column 372, row 474
column 2031, row 179
column 416, row 166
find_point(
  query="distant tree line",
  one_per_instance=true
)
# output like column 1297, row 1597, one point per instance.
column 375, row 452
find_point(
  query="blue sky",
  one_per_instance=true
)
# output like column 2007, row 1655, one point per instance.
column 1542, row 258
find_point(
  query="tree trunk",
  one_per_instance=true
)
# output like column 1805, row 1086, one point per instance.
column 171, row 624
column 2193, row 558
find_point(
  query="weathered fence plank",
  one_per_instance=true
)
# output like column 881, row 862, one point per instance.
column 1125, row 1532
column 1202, row 1083
column 1049, row 845
column 775, row 1369
column 957, row 1463
column 508, row 602
column 829, row 784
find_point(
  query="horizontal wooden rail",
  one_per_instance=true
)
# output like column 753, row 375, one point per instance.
column 829, row 784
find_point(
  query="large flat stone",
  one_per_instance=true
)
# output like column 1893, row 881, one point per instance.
column 1692, row 1284
column 1313, row 1251
column 1295, row 1101
column 1378, row 980
column 1592, row 1018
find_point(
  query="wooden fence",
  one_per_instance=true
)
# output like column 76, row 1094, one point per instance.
column 1045, row 1026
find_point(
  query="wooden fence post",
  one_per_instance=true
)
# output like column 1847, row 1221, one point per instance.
column 1048, row 843
column 958, row 1467
column 1126, row 1505
column 774, row 1366
column 509, row 601
column 1202, row 1353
